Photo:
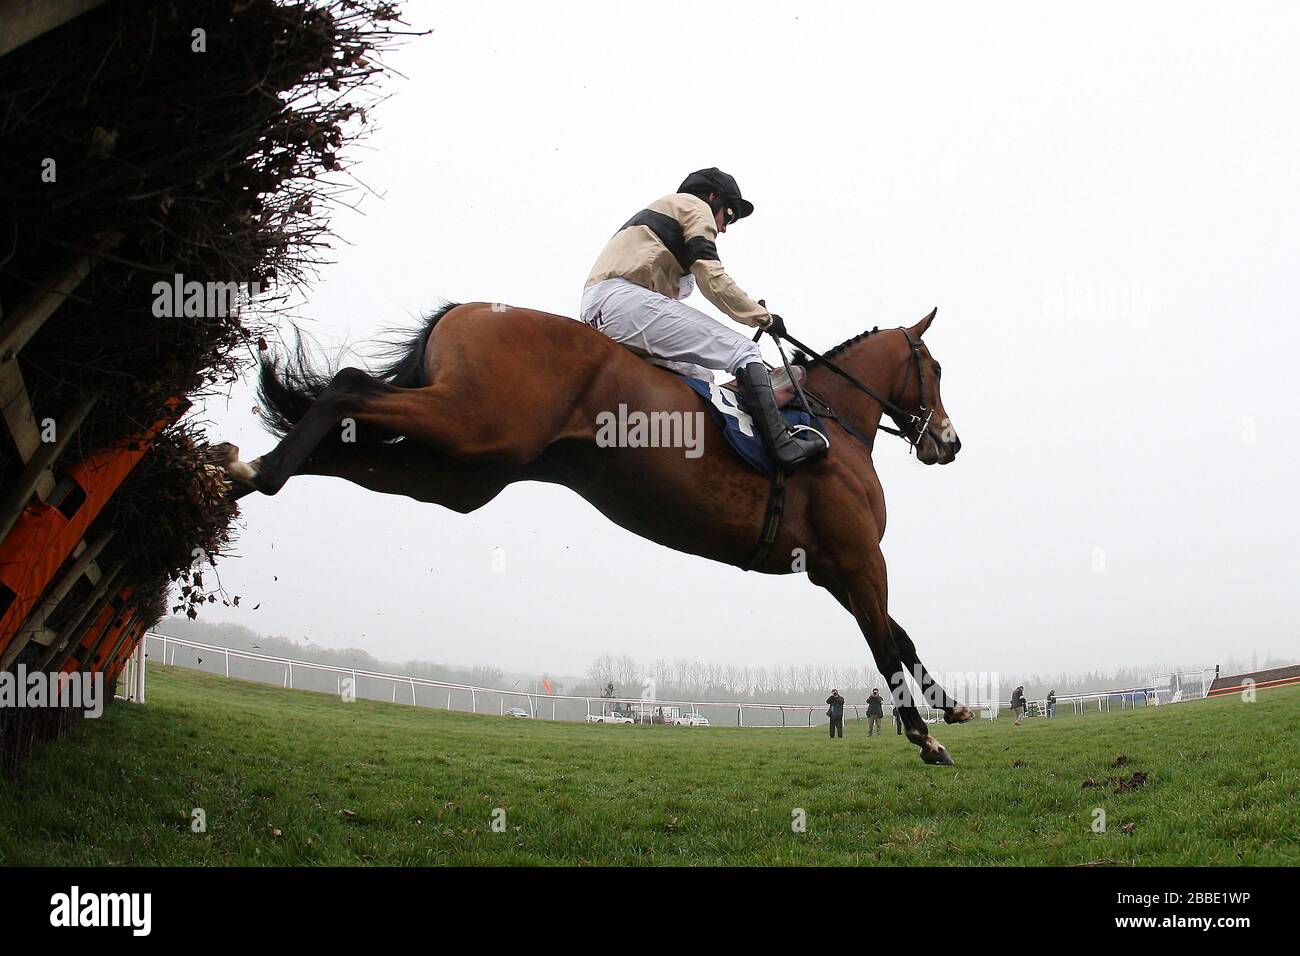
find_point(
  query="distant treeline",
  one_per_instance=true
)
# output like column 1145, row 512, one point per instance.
column 809, row 684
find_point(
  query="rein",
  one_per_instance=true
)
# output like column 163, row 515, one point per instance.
column 921, row 421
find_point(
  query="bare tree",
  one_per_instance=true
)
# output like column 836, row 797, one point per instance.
column 601, row 670
column 485, row 675
column 627, row 676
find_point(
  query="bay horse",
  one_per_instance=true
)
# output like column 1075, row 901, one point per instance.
column 486, row 395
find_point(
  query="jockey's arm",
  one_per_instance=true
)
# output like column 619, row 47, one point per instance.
column 700, row 231
column 719, row 289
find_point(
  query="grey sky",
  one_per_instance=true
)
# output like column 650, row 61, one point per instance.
column 1102, row 202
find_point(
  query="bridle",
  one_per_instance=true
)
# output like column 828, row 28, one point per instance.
column 918, row 420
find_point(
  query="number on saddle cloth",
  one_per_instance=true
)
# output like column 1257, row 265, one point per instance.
column 725, row 401
column 738, row 426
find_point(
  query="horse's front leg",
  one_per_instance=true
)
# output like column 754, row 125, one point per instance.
column 863, row 592
column 931, row 692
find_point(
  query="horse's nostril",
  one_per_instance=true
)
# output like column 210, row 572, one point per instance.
column 956, row 445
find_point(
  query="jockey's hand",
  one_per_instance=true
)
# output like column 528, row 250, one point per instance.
column 776, row 326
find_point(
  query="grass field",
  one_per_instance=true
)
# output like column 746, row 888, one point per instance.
column 290, row 777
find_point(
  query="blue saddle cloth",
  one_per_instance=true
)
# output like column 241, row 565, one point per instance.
column 740, row 429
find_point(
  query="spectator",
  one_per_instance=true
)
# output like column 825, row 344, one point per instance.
column 875, row 711
column 836, row 712
column 1018, row 703
column 1051, row 703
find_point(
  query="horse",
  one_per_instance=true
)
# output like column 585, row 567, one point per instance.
column 488, row 394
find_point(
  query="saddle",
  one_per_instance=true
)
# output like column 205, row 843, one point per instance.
column 782, row 386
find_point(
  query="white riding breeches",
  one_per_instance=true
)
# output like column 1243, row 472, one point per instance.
column 666, row 331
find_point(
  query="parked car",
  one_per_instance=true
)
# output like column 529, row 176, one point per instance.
column 609, row 719
column 518, row 712
column 691, row 720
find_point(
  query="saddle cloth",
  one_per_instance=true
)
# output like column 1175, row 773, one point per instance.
column 742, row 434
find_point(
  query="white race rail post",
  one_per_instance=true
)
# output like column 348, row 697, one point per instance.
column 139, row 672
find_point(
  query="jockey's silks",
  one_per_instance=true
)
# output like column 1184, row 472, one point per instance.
column 672, row 237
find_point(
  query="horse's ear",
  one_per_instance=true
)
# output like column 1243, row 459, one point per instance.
column 920, row 328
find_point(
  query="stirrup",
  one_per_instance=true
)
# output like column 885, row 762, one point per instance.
column 804, row 448
column 825, row 439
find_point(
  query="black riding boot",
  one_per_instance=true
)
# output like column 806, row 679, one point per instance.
column 790, row 449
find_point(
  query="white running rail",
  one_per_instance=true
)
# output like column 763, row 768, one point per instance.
column 479, row 699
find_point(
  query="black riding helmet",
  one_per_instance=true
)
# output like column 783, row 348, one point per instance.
column 713, row 180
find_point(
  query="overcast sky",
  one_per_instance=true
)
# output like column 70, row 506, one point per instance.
column 1102, row 202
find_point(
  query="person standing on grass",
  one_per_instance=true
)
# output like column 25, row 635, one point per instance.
column 1018, row 703
column 835, row 711
column 875, row 711
column 1051, row 703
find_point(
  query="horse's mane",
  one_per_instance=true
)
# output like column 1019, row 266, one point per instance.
column 801, row 358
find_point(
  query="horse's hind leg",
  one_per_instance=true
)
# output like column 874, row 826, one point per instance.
column 931, row 692
column 350, row 391
column 449, row 421
column 467, row 420
column 411, row 470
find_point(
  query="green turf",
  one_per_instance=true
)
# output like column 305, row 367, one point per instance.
column 290, row 777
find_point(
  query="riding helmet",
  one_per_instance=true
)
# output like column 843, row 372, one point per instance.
column 713, row 180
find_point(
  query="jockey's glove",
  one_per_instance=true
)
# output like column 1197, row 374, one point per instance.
column 776, row 325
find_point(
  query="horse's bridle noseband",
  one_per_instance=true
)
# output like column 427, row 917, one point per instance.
column 922, row 420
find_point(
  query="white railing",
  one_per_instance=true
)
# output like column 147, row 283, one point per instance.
column 1164, row 689
column 1184, row 685
column 1080, row 704
column 642, row 710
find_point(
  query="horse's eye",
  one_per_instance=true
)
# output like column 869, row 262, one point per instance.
column 937, row 371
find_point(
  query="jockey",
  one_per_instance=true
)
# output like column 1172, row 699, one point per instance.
column 655, row 260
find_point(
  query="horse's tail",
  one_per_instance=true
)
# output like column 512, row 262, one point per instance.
column 287, row 388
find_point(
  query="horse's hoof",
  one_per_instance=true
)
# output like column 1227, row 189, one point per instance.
column 934, row 752
column 958, row 715
column 240, row 475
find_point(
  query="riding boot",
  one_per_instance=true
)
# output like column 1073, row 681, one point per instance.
column 789, row 448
